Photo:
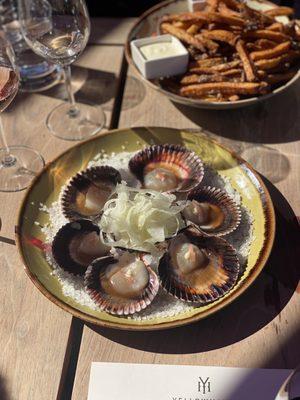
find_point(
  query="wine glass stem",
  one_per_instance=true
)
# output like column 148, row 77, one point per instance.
column 8, row 159
column 73, row 111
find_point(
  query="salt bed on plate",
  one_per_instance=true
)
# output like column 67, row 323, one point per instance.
column 164, row 305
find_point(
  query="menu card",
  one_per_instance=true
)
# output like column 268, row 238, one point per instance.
column 111, row 381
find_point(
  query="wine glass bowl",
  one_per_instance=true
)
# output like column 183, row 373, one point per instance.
column 58, row 30
column 18, row 164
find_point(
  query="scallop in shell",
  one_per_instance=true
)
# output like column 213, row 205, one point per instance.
column 198, row 268
column 123, row 285
column 76, row 245
column 88, row 191
column 212, row 210
column 167, row 168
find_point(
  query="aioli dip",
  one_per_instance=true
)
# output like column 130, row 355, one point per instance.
column 154, row 51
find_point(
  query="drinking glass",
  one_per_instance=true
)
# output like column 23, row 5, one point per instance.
column 18, row 164
column 58, row 30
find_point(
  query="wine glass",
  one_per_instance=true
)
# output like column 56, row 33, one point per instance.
column 18, row 164
column 58, row 30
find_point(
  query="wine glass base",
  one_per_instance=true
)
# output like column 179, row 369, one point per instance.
column 88, row 121
column 18, row 174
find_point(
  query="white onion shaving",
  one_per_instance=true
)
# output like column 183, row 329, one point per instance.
column 139, row 218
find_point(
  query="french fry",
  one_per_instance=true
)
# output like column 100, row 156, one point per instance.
column 192, row 79
column 266, row 34
column 182, row 35
column 208, row 43
column 265, row 43
column 276, row 26
column 225, row 19
column 277, row 11
column 248, row 65
column 225, row 10
column 283, row 60
column 280, row 49
column 208, row 62
column 217, row 68
column 222, row 36
column 235, row 5
column 227, row 88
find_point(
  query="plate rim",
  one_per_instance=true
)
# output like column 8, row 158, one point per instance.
column 264, row 254
column 194, row 102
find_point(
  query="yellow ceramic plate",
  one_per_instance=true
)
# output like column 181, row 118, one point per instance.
column 46, row 188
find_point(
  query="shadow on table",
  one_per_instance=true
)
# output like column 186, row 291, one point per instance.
column 90, row 86
column 3, row 391
column 99, row 87
column 276, row 120
column 258, row 306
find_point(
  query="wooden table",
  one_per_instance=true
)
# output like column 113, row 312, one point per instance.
column 45, row 353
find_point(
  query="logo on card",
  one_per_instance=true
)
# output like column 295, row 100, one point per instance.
column 204, row 385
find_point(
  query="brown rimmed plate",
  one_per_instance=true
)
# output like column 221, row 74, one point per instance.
column 47, row 185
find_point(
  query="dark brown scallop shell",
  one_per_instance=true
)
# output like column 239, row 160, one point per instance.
column 185, row 164
column 231, row 213
column 66, row 249
column 173, row 281
column 114, row 304
column 74, row 195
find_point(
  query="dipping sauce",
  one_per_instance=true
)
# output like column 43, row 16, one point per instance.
column 154, row 51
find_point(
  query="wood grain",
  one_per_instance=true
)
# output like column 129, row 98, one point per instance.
column 34, row 335
column 260, row 329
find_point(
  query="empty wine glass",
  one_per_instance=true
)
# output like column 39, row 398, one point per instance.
column 18, row 164
column 58, row 30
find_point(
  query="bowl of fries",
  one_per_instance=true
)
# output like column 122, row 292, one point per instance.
column 241, row 52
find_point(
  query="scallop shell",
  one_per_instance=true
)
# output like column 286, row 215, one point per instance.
column 230, row 210
column 78, row 186
column 67, row 241
column 113, row 304
column 185, row 164
column 174, row 282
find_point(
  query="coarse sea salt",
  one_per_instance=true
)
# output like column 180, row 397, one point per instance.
column 164, row 305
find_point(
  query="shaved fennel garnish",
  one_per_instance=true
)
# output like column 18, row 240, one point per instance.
column 139, row 218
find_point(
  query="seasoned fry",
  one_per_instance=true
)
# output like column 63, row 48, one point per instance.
column 276, row 26
column 277, row 11
column 265, row 43
column 221, row 36
column 235, row 5
column 217, row 68
column 266, row 34
column 182, row 35
column 209, row 44
column 249, row 67
column 272, row 63
column 225, row 19
column 271, row 53
column 192, row 79
column 225, row 10
column 208, row 62
column 229, row 88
